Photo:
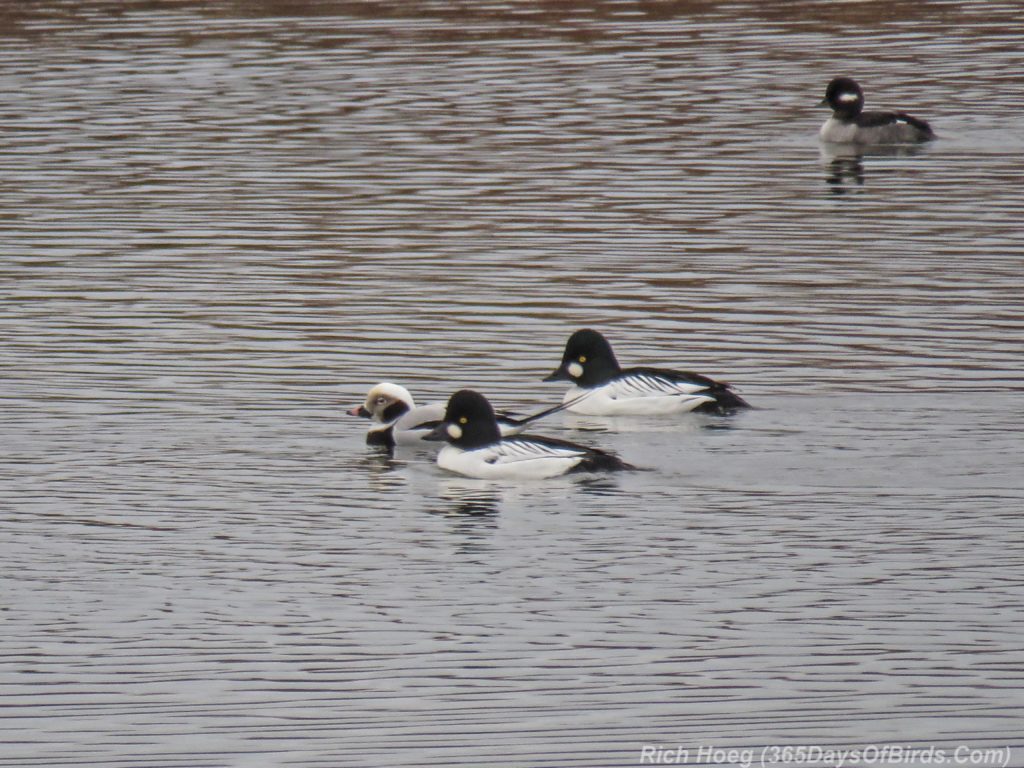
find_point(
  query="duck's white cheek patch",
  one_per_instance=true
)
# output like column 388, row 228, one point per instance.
column 848, row 97
column 454, row 431
column 575, row 370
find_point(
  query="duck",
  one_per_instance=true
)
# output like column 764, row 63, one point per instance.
column 476, row 448
column 397, row 420
column 849, row 124
column 601, row 387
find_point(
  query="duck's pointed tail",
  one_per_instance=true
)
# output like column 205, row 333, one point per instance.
column 514, row 426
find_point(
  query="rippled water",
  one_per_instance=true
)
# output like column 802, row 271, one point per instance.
column 222, row 222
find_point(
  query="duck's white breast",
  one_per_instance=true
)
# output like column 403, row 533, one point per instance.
column 838, row 132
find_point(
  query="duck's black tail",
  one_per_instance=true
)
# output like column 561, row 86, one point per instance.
column 599, row 461
column 726, row 401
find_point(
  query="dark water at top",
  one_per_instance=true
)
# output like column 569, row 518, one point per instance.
column 220, row 223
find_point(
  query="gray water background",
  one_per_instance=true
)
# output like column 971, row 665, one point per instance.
column 222, row 222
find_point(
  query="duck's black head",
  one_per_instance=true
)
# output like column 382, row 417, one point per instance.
column 468, row 422
column 588, row 360
column 845, row 97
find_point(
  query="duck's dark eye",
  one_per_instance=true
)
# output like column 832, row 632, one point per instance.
column 381, row 400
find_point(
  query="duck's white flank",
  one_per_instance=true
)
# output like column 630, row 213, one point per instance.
column 637, row 395
column 513, row 459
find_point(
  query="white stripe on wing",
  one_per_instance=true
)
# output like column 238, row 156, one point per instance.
column 649, row 385
column 513, row 449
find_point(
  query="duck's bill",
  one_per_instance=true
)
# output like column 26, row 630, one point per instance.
column 359, row 410
column 559, row 374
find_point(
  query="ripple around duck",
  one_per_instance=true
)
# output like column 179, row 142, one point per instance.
column 222, row 224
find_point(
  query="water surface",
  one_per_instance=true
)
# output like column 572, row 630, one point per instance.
column 223, row 222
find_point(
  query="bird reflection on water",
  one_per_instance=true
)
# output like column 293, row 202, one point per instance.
column 844, row 163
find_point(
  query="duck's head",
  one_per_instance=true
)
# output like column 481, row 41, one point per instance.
column 468, row 422
column 588, row 360
column 844, row 96
column 384, row 403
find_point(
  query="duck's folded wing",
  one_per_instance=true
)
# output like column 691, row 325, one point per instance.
column 549, row 456
column 512, row 450
column 653, row 383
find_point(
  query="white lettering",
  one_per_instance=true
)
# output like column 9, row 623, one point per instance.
column 651, row 754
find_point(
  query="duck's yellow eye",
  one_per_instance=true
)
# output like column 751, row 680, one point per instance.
column 463, row 420
column 583, row 358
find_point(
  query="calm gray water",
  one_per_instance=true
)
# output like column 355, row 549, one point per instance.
column 222, row 222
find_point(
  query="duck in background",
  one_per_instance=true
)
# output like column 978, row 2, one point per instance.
column 601, row 387
column 849, row 124
column 397, row 420
column 476, row 448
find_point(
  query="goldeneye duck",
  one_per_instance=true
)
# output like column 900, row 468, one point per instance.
column 849, row 124
column 603, row 388
column 477, row 449
column 397, row 420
